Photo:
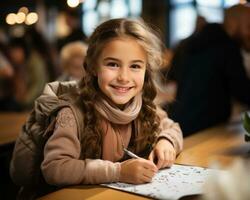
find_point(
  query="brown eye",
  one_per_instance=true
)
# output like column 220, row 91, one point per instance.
column 136, row 66
column 112, row 64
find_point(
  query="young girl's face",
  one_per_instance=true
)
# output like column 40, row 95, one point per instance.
column 121, row 69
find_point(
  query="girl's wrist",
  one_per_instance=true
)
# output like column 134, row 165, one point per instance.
column 166, row 139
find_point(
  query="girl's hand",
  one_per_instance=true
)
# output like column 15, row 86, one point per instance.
column 137, row 171
column 164, row 153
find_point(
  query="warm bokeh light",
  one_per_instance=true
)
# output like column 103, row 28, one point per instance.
column 20, row 17
column 11, row 18
column 31, row 18
column 73, row 3
column 24, row 10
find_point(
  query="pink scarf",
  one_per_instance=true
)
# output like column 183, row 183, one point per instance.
column 117, row 126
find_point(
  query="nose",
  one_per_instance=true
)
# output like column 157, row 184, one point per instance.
column 123, row 75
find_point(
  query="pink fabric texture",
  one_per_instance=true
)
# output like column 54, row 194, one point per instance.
column 62, row 164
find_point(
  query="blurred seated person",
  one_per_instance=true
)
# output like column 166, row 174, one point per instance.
column 166, row 90
column 7, row 100
column 30, row 72
column 209, row 72
column 72, row 57
column 200, row 23
column 72, row 20
column 6, row 69
column 44, row 49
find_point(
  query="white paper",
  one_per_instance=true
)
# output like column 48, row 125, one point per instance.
column 171, row 184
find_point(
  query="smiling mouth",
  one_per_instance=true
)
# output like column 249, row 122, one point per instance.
column 121, row 89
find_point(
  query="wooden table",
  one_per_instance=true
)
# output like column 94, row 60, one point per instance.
column 221, row 144
column 10, row 126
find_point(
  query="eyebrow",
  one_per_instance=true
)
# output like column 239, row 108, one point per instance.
column 115, row 59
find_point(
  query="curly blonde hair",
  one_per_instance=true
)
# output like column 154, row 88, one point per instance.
column 147, row 118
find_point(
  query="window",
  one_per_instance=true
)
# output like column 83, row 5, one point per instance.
column 182, row 23
column 95, row 12
column 183, row 14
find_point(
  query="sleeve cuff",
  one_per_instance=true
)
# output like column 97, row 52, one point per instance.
column 116, row 172
column 167, row 137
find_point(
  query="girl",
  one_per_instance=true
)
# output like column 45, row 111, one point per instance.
column 116, row 98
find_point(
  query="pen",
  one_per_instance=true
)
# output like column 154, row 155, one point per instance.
column 129, row 153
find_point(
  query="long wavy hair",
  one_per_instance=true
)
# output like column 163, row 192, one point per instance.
column 89, row 89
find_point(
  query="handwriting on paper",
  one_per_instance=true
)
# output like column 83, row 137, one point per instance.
column 171, row 184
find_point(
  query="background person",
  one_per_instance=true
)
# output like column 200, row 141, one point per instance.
column 209, row 72
column 72, row 58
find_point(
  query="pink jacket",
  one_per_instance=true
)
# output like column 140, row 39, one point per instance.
column 62, row 164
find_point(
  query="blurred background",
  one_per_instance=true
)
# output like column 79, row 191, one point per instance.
column 33, row 33
column 34, row 43
column 175, row 18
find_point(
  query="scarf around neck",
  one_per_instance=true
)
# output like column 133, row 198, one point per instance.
column 117, row 136
column 116, row 115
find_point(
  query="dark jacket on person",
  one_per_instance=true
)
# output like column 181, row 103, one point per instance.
column 208, row 68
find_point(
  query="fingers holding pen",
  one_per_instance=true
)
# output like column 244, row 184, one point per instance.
column 150, row 169
column 147, row 171
column 149, row 165
column 137, row 171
